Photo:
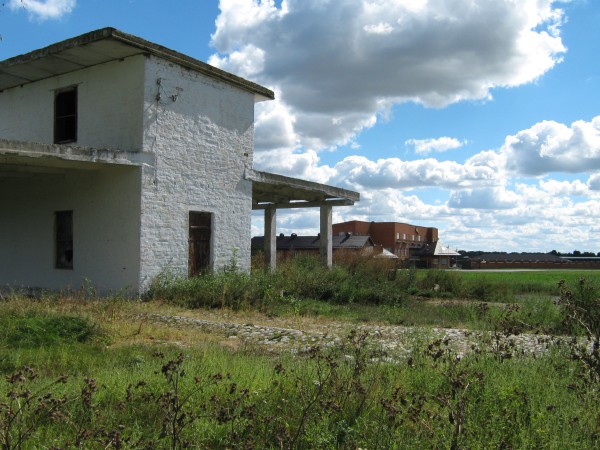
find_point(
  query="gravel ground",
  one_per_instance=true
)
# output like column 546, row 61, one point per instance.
column 396, row 340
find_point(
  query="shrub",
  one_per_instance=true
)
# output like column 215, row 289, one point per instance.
column 369, row 281
column 220, row 290
column 442, row 281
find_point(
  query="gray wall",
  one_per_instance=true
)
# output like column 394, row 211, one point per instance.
column 106, row 210
column 109, row 106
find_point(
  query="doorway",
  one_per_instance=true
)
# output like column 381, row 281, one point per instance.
column 199, row 242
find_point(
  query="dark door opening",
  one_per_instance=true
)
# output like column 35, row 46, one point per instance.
column 199, row 243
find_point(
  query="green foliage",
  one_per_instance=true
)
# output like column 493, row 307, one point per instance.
column 482, row 289
column 581, row 309
column 366, row 282
column 229, row 289
column 34, row 329
column 441, row 281
column 512, row 283
column 351, row 395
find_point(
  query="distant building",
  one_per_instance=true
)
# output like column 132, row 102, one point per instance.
column 436, row 256
column 294, row 245
column 531, row 261
column 401, row 239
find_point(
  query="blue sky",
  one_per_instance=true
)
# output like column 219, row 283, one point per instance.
column 481, row 118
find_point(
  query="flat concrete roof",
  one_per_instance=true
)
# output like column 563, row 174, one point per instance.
column 101, row 46
column 271, row 190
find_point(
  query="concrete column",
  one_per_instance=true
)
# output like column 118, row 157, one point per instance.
column 326, row 235
column 270, row 242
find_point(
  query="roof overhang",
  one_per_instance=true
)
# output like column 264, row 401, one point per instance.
column 18, row 157
column 270, row 190
column 101, row 46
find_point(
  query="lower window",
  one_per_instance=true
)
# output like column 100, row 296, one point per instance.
column 63, row 239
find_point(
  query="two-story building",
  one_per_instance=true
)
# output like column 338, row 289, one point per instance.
column 121, row 159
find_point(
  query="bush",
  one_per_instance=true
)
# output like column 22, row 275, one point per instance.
column 442, row 281
column 367, row 281
column 220, row 290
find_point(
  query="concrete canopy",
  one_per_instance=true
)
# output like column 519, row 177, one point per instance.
column 271, row 192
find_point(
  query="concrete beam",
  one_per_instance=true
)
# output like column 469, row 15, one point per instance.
column 296, row 205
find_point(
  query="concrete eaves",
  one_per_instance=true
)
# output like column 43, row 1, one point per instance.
column 101, row 46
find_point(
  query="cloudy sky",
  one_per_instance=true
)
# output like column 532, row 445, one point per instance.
column 478, row 117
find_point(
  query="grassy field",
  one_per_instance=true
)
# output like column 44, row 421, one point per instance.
column 84, row 372
column 524, row 282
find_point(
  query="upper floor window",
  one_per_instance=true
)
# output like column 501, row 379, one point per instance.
column 65, row 116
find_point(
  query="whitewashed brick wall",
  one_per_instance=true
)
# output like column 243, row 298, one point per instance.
column 201, row 133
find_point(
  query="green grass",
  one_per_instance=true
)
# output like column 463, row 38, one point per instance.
column 543, row 281
column 138, row 384
column 360, row 293
column 35, row 329
column 329, row 398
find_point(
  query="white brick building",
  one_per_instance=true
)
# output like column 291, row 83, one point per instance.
column 120, row 159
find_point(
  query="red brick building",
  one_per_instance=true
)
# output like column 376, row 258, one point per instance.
column 402, row 239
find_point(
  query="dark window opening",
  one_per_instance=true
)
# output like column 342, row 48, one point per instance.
column 65, row 116
column 199, row 243
column 63, row 235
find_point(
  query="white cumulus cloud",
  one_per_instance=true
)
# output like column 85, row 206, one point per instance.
column 594, row 182
column 442, row 144
column 549, row 146
column 44, row 9
column 484, row 198
column 352, row 60
column 556, row 187
column 358, row 172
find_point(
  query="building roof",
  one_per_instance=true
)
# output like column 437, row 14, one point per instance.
column 518, row 257
column 101, row 46
column 416, row 227
column 385, row 254
column 314, row 242
column 437, row 249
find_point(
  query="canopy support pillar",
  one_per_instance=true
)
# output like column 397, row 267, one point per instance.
column 270, row 243
column 326, row 248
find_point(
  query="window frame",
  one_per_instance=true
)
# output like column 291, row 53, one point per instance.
column 66, row 115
